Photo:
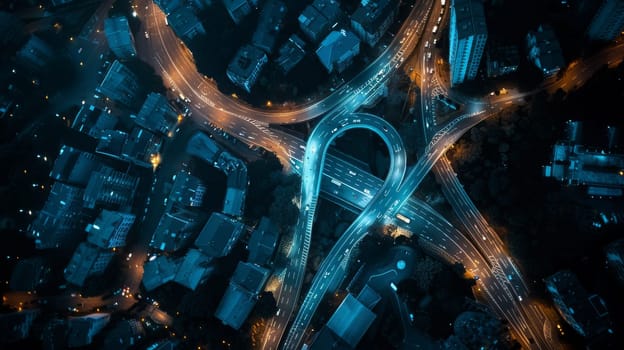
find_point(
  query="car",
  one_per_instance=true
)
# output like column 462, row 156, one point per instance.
column 146, row 35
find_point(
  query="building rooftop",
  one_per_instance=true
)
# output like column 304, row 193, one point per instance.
column 587, row 314
column 578, row 165
column 157, row 115
column 125, row 334
column 242, row 294
column 243, row 70
column 111, row 143
column 269, row 25
column 87, row 260
column 168, row 6
column 313, row 24
column 235, row 306
column 16, row 325
column 119, row 36
column 175, row 229
column 59, row 223
column 238, row 9
column 81, row 330
column 291, row 53
column 234, row 202
column 158, row 272
column 185, row 23
column 372, row 15
column 470, row 18
column 368, row 297
column 110, row 187
column 250, row 277
column 93, row 121
column 119, row 84
column 35, row 52
column 187, row 190
column 74, row 167
column 110, row 229
column 262, row 242
column 544, row 50
column 330, row 9
column 337, row 48
column 351, row 320
column 218, row 236
column 203, row 147
column 140, row 146
column 30, row 273
column 193, row 269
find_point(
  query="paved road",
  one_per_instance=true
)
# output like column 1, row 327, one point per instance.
column 334, row 266
column 175, row 64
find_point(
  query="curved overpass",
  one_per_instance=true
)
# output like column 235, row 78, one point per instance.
column 334, row 266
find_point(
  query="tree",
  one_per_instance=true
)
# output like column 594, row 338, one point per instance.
column 264, row 175
column 266, row 306
column 478, row 330
column 283, row 211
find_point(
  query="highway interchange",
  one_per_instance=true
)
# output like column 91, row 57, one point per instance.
column 500, row 284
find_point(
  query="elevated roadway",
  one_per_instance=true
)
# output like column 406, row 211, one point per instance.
column 334, row 266
column 175, row 64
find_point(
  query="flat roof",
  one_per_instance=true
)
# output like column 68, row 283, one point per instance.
column 351, row 320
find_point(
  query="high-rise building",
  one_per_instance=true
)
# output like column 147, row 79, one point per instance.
column 608, row 21
column 467, row 36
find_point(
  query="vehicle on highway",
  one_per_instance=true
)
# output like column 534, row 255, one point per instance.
column 403, row 218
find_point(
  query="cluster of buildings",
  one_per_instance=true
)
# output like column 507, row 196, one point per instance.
column 84, row 185
column 248, row 62
column 77, row 331
column 92, row 197
column 216, row 239
column 468, row 36
column 89, row 210
column 334, row 38
column 204, row 148
column 249, row 277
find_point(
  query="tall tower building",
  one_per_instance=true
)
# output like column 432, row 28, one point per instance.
column 608, row 21
column 468, row 34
